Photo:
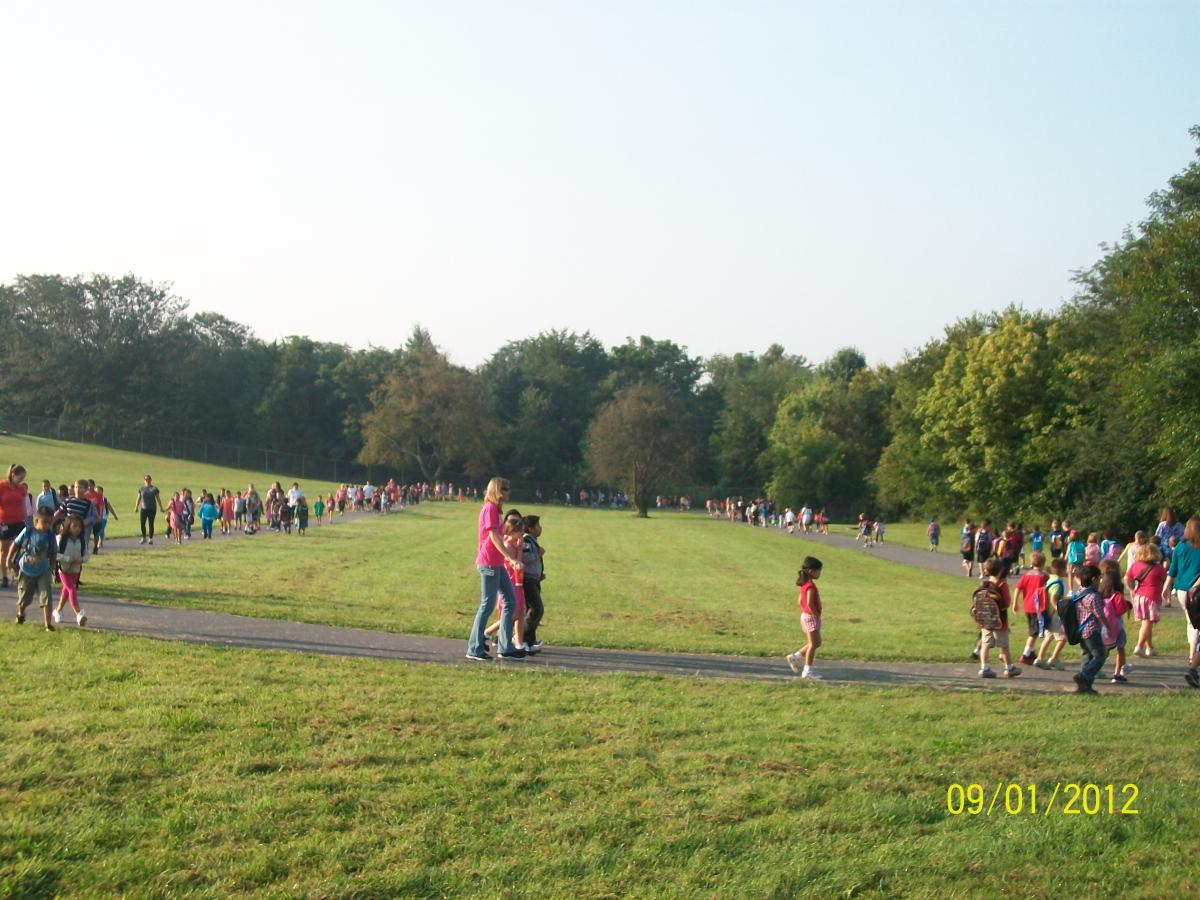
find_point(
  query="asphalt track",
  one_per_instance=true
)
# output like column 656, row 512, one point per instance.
column 225, row 630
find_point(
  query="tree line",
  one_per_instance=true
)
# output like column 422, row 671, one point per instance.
column 1088, row 411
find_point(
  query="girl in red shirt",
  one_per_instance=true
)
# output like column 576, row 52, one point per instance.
column 809, row 602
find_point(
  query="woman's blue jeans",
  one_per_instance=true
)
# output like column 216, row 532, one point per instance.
column 493, row 580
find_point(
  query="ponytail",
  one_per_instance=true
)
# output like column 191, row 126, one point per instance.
column 14, row 470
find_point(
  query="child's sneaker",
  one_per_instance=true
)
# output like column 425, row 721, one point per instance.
column 974, row 654
column 57, row 617
column 1057, row 665
column 791, row 661
column 1041, row 664
column 81, row 618
column 986, row 673
column 1119, row 679
column 1126, row 669
column 810, row 674
column 1012, row 672
column 1150, row 652
column 49, row 627
column 142, row 541
column 1027, row 658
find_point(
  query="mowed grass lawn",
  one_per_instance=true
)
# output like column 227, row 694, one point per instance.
column 120, row 474
column 154, row 769
column 672, row 582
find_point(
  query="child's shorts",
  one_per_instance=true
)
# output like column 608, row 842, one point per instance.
column 30, row 585
column 1145, row 609
column 989, row 639
column 810, row 623
column 1055, row 627
column 1119, row 643
column 1034, row 622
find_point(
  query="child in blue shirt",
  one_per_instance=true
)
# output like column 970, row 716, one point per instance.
column 38, row 555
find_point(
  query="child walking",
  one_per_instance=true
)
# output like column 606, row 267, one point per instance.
column 1113, row 631
column 1032, row 596
column 302, row 515
column 1055, row 589
column 72, row 554
column 809, row 601
column 1088, row 608
column 993, row 630
column 208, row 515
column 534, row 574
column 35, row 553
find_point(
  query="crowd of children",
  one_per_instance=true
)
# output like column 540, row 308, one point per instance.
column 1081, row 592
column 48, row 537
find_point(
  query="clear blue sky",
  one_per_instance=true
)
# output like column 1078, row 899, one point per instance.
column 724, row 175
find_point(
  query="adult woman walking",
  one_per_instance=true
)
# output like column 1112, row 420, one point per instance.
column 1183, row 573
column 149, row 502
column 493, row 577
column 13, row 509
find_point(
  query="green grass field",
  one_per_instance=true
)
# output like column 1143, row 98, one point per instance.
column 153, row 769
column 120, row 474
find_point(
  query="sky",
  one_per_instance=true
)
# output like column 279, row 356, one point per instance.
column 723, row 175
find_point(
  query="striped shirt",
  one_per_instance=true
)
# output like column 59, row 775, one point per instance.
column 77, row 506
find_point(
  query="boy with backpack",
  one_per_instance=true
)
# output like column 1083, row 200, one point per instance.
column 983, row 547
column 1056, row 590
column 1031, row 593
column 989, row 609
column 1081, row 614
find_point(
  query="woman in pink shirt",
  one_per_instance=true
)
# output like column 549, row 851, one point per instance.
column 493, row 576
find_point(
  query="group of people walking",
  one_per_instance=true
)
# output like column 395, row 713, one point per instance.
column 511, row 571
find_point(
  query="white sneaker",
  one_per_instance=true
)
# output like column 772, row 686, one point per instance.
column 810, row 675
column 56, row 616
column 1126, row 669
column 142, row 541
column 791, row 661
column 151, row 542
column 81, row 618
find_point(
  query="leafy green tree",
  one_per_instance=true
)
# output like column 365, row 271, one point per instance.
column 996, row 414
column 648, row 361
column 431, row 418
column 827, row 436
column 544, row 391
column 639, row 441
column 750, row 389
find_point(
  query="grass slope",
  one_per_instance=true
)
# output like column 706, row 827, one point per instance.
column 132, row 766
column 121, row 474
column 671, row 582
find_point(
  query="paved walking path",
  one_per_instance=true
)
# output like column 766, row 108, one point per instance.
column 222, row 629
column 226, row 630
